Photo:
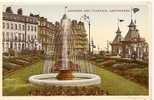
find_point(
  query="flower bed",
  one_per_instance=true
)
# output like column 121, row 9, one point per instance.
column 67, row 91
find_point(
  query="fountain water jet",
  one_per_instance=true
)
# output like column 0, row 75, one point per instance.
column 65, row 72
column 65, row 76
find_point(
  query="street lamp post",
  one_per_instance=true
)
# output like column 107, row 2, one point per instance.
column 89, row 38
column 87, row 19
column 93, row 46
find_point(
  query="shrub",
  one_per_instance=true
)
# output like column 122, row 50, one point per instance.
column 5, row 54
column 125, row 65
column 9, row 66
column 109, row 62
column 11, row 52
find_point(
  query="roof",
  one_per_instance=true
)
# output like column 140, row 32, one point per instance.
column 131, row 35
column 118, row 30
column 19, row 18
column 118, row 38
column 132, row 23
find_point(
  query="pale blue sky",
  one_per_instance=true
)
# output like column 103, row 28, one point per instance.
column 103, row 24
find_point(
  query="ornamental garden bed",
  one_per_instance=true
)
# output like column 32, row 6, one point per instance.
column 135, row 72
column 67, row 91
column 11, row 64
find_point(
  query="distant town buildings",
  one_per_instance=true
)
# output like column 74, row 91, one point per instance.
column 46, row 33
column 77, row 39
column 80, row 38
column 132, row 45
column 34, row 32
column 19, row 31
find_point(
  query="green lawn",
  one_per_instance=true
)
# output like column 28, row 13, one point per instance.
column 17, row 83
column 118, row 85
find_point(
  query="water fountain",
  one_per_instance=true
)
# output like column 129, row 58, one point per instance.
column 65, row 72
column 65, row 76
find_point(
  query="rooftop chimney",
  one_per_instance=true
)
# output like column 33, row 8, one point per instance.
column 19, row 11
column 8, row 10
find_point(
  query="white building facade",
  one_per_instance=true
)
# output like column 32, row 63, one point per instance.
column 19, row 31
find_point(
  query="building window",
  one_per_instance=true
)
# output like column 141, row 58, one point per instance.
column 7, row 25
column 3, row 46
column 19, row 36
column 22, row 46
column 23, row 27
column 11, row 26
column 35, row 28
column 7, row 36
column 29, row 37
column 23, row 37
column 19, row 46
column 12, row 36
column 15, row 46
column 28, row 27
column 15, row 26
column 19, row 26
column 3, row 25
column 7, row 45
column 15, row 37
column 3, row 36
column 31, row 28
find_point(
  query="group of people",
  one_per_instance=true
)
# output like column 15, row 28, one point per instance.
column 68, row 91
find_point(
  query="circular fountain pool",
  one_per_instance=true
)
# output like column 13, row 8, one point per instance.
column 80, row 79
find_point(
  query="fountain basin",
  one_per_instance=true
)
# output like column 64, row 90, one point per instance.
column 80, row 79
column 65, row 75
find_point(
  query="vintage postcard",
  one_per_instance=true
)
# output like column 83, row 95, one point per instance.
column 98, row 50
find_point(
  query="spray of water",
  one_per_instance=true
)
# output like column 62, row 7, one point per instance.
column 66, row 31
